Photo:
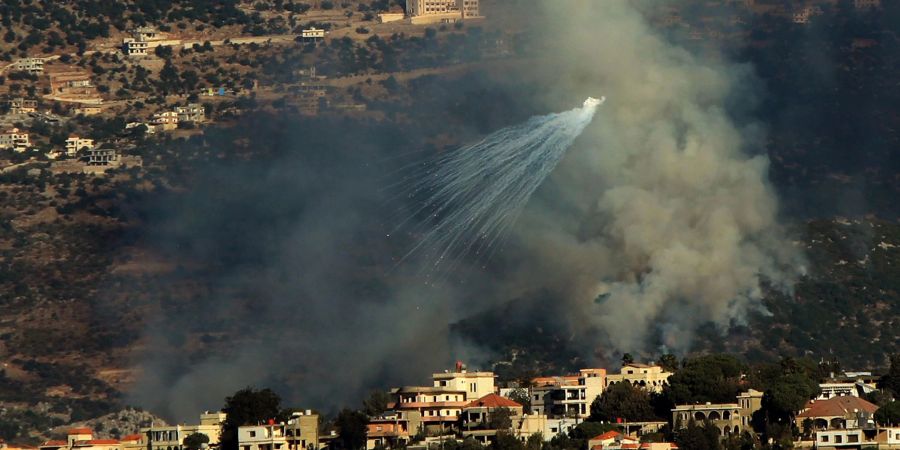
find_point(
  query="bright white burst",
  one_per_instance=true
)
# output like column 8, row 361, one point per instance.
column 475, row 193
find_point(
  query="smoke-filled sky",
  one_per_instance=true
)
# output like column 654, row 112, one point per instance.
column 659, row 210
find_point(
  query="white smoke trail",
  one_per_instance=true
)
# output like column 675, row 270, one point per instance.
column 474, row 194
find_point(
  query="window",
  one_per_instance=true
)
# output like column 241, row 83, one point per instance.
column 853, row 438
column 824, row 438
column 252, row 434
column 838, row 439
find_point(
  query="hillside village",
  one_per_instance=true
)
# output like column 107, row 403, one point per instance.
column 104, row 108
column 593, row 409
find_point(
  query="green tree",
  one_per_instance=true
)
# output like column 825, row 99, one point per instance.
column 891, row 380
column 247, row 406
column 698, row 437
column 668, row 362
column 627, row 359
column 351, row 425
column 377, row 403
column 195, row 441
column 506, row 441
column 500, row 419
column 622, row 400
column 889, row 414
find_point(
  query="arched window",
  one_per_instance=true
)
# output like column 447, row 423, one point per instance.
column 699, row 416
column 714, row 415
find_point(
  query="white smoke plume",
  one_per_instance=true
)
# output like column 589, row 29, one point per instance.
column 662, row 220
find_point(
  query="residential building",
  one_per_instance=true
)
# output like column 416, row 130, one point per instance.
column 476, row 417
column 312, row 34
column 840, row 412
column 391, row 16
column 433, row 11
column 33, row 66
column 845, row 438
column 75, row 143
column 81, row 439
column 135, row 47
column 71, row 82
column 612, row 439
column 145, row 33
column 475, row 385
column 567, row 396
column 22, row 106
column 558, row 425
column 650, row 377
column 193, row 112
column 837, row 389
column 86, row 110
column 434, row 410
column 300, row 432
column 387, row 431
column 14, row 139
column 171, row 437
column 167, row 120
column 725, row 416
column 888, row 437
column 749, row 402
column 105, row 156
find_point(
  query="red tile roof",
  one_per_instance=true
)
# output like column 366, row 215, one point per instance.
column 605, row 436
column 82, row 430
column 54, row 444
column 133, row 437
column 493, row 401
column 103, row 442
column 836, row 406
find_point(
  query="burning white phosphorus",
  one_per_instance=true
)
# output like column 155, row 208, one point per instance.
column 475, row 193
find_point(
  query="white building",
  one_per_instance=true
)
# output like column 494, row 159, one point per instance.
column 167, row 120
column 15, row 140
column 75, row 143
column 300, row 432
column 135, row 47
column 567, row 396
column 312, row 34
column 433, row 11
column 650, row 377
column 474, row 384
column 171, row 437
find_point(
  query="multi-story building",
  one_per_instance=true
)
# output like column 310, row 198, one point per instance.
column 75, row 143
column 725, row 416
column 171, row 437
column 434, row 410
column 14, row 139
column 22, row 106
column 166, row 120
column 837, row 389
column 31, row 65
column 135, row 47
column 840, row 412
column 387, row 431
column 312, row 34
column 652, row 378
column 567, row 396
column 749, row 402
column 430, row 11
column 102, row 157
column 81, row 439
column 476, row 417
column 193, row 112
column 475, row 385
column 300, row 432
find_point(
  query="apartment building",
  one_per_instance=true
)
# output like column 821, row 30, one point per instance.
column 135, row 47
column 474, row 384
column 567, row 396
column 434, row 410
column 34, row 66
column 749, row 402
column 193, row 112
column 387, row 431
column 171, row 437
column 81, row 439
column 434, row 11
column 725, row 416
column 75, row 143
column 166, row 120
column 14, row 139
column 21, row 106
column 650, row 377
column 300, row 432
column 476, row 417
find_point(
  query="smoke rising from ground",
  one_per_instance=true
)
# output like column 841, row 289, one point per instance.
column 659, row 211
column 668, row 222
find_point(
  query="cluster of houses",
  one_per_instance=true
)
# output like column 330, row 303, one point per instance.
column 460, row 404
